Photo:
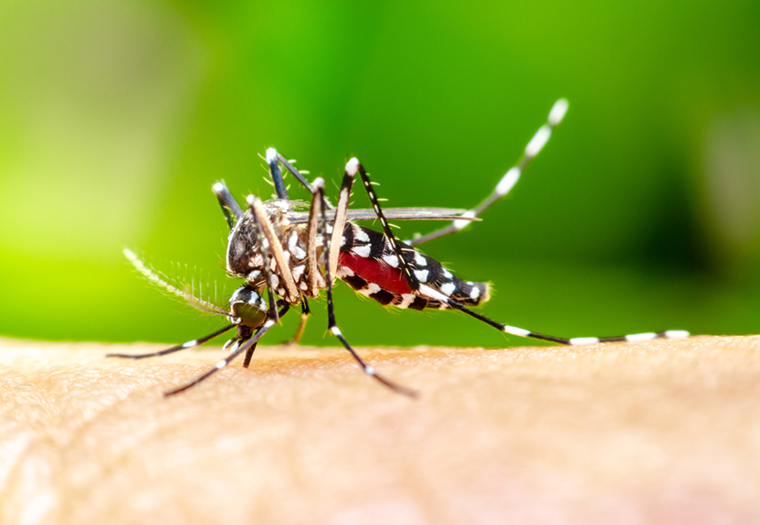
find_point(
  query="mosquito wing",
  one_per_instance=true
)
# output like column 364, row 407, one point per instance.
column 398, row 214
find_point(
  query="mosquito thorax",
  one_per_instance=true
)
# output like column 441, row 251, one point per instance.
column 244, row 257
column 249, row 307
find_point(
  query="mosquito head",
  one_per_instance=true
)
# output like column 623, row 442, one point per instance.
column 249, row 307
column 243, row 251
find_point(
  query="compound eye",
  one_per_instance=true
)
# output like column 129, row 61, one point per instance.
column 249, row 306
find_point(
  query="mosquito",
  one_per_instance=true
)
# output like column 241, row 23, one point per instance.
column 287, row 257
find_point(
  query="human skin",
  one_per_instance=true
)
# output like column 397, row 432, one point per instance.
column 665, row 431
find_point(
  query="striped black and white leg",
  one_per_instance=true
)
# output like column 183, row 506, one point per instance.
column 508, row 181
column 353, row 166
column 184, row 346
column 269, row 323
column 332, row 325
column 423, row 289
column 433, row 294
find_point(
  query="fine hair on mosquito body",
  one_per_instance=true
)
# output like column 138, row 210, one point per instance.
column 287, row 257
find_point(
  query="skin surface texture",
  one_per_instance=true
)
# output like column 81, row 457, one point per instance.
column 664, row 431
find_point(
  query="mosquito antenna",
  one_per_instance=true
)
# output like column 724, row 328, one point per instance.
column 154, row 278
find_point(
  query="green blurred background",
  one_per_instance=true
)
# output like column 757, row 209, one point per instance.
column 642, row 213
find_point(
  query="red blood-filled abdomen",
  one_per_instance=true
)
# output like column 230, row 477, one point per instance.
column 386, row 277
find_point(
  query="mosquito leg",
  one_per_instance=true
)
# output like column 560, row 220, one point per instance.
column 305, row 313
column 292, row 170
column 185, row 346
column 417, row 279
column 312, row 268
column 252, row 348
column 269, row 323
column 429, row 292
column 340, row 213
column 417, row 284
column 285, row 276
column 353, row 166
column 332, row 325
column 276, row 174
column 299, row 176
column 509, row 179
column 227, row 202
column 259, row 241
